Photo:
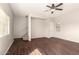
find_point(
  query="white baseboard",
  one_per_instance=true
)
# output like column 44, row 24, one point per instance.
column 8, row 47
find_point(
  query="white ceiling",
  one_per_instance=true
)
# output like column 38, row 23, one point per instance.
column 36, row 9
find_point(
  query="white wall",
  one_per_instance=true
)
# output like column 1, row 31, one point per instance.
column 5, row 42
column 69, row 25
column 42, row 28
column 67, row 20
column 20, row 26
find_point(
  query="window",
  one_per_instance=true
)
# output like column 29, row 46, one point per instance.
column 4, row 23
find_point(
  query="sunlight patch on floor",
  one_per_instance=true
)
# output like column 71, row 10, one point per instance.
column 35, row 52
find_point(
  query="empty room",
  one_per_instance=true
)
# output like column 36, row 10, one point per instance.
column 39, row 28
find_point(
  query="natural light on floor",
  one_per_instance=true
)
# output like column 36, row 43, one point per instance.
column 35, row 52
column 4, row 23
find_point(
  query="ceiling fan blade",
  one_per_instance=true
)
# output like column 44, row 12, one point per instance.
column 59, row 4
column 48, row 6
column 59, row 9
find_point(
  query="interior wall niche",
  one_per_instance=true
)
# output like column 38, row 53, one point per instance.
column 42, row 28
column 37, row 27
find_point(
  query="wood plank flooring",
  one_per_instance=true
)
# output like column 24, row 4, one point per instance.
column 44, row 46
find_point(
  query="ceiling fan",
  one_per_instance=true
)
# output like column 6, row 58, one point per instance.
column 53, row 7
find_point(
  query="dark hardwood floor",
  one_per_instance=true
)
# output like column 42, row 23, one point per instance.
column 44, row 46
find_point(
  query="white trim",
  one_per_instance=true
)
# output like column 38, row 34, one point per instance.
column 29, row 27
column 8, row 47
